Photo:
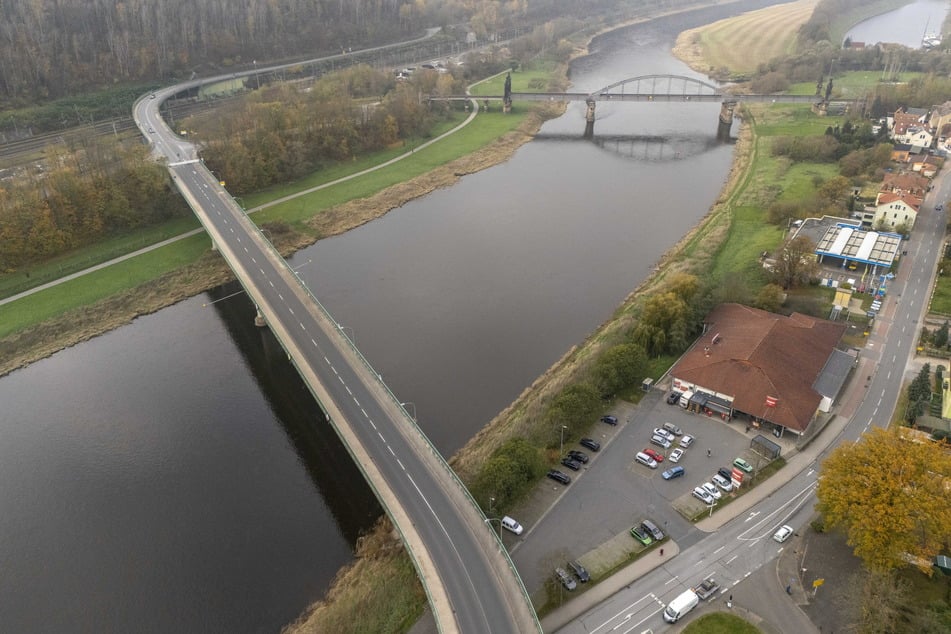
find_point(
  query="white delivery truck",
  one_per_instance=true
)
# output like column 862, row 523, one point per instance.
column 685, row 398
column 680, row 606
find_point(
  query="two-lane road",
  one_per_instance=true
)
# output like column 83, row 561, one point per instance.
column 470, row 582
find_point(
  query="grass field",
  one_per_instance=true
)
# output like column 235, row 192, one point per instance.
column 742, row 43
column 721, row 623
column 853, row 84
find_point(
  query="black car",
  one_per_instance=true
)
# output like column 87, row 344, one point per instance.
column 559, row 476
column 571, row 464
column 610, row 420
column 578, row 456
column 579, row 571
column 726, row 473
column 673, row 397
column 588, row 443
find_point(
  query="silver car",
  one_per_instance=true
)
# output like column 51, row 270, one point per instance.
column 660, row 441
column 701, row 494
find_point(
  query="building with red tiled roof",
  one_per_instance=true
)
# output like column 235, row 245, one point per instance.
column 906, row 183
column 748, row 357
column 893, row 210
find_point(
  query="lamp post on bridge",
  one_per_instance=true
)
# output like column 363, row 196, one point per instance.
column 403, row 405
column 352, row 336
column 489, row 521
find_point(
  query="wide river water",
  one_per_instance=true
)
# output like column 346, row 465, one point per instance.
column 175, row 474
column 906, row 25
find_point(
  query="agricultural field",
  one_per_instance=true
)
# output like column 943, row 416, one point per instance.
column 741, row 43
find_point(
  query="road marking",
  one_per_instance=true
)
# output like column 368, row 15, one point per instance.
column 381, row 437
column 889, row 374
column 400, row 464
column 253, row 260
column 262, row 270
column 372, row 424
column 623, row 610
column 245, row 249
column 364, row 412
column 356, row 401
column 348, row 390
column 302, row 325
column 699, row 563
column 753, row 543
column 718, row 549
column 290, row 309
column 280, row 297
column 333, row 368
column 780, row 550
column 271, row 283
column 672, row 579
column 391, row 451
column 752, row 515
column 731, row 559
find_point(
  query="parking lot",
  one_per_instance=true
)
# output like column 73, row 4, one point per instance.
column 612, row 492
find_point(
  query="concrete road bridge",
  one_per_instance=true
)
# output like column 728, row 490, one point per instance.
column 652, row 89
column 470, row 581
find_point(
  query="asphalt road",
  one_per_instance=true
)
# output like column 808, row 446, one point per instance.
column 469, row 580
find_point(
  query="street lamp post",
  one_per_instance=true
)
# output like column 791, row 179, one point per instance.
column 491, row 502
column 352, row 336
column 561, row 449
column 403, row 405
column 489, row 521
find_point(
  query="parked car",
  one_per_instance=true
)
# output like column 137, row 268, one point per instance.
column 565, row 579
column 641, row 535
column 676, row 431
column 509, row 524
column 655, row 455
column 579, row 571
column 783, row 533
column 725, row 485
column 712, row 489
column 673, row 472
column 660, row 431
column 645, row 460
column 588, row 443
column 725, row 473
column 610, row 420
column 743, row 464
column 686, row 441
column 673, row 398
column 571, row 464
column 652, row 530
column 578, row 456
column 660, row 441
column 701, row 494
column 559, row 476
column 676, row 454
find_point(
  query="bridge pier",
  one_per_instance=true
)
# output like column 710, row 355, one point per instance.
column 589, row 119
column 259, row 320
column 725, row 120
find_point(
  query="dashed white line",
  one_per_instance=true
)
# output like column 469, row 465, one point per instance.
column 302, row 325
column 245, row 249
column 381, row 436
column 718, row 549
column 731, row 559
column 364, row 412
column 271, row 283
column 356, row 401
column 334, row 369
column 400, row 464
column 253, row 260
column 280, row 297
column 372, row 424
column 392, row 453
column 672, row 580
column 290, row 309
column 348, row 390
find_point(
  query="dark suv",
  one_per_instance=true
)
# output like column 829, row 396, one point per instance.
column 570, row 463
column 558, row 476
column 610, row 420
column 726, row 473
column 673, row 397
column 588, row 443
column 579, row 571
column 578, row 456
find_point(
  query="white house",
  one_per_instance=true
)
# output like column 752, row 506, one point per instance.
column 893, row 209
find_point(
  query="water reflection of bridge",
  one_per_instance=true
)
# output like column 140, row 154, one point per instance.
column 643, row 147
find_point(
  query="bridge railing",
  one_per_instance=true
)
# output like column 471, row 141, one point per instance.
column 409, row 419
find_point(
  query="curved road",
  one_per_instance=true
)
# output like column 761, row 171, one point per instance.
column 471, row 583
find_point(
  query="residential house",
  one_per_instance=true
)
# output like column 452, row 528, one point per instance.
column 906, row 183
column 909, row 125
column 902, row 153
column 940, row 119
column 892, row 210
column 927, row 165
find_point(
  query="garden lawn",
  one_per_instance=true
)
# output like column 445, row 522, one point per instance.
column 721, row 623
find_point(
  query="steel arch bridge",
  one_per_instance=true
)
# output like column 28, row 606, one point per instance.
column 666, row 85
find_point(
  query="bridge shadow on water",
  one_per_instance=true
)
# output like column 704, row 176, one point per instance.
column 642, row 147
column 324, row 456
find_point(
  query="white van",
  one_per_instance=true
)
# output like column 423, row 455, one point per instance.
column 685, row 398
column 510, row 524
column 645, row 460
column 680, row 606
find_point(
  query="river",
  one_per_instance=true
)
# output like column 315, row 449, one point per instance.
column 906, row 25
column 175, row 474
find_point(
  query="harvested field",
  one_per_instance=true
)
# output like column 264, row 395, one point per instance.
column 740, row 44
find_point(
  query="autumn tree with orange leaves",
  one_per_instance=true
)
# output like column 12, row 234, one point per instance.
column 891, row 497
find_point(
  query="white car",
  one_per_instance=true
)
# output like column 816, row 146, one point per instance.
column 660, row 431
column 511, row 525
column 676, row 455
column 710, row 488
column 686, row 440
column 701, row 494
column 783, row 533
column 725, row 485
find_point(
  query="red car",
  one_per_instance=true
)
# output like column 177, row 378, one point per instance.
column 653, row 454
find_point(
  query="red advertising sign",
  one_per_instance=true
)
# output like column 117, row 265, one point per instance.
column 737, row 477
column 771, row 401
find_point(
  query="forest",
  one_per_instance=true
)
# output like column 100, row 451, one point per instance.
column 52, row 49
